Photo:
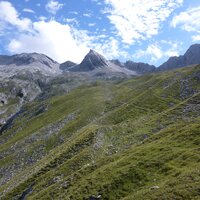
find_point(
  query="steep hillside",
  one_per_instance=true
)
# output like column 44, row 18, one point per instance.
column 128, row 139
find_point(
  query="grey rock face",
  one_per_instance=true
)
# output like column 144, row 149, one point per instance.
column 117, row 62
column 172, row 63
column 67, row 65
column 21, row 80
column 26, row 59
column 92, row 61
column 140, row 68
column 191, row 57
column 14, row 93
column 96, row 65
column 31, row 62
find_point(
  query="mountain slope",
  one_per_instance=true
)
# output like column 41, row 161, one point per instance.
column 133, row 139
column 21, row 79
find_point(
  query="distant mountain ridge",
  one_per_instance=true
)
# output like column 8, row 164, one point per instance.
column 139, row 67
column 26, row 59
column 93, row 63
column 97, row 65
column 67, row 65
column 31, row 62
column 94, row 60
column 191, row 57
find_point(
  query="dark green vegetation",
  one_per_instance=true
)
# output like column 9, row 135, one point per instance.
column 132, row 139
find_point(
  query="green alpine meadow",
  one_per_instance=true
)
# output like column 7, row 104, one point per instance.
column 100, row 100
column 113, row 138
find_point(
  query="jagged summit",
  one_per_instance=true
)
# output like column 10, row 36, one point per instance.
column 94, row 60
column 91, row 61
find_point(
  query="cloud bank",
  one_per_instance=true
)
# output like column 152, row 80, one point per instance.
column 60, row 41
column 189, row 21
column 10, row 16
column 53, row 6
column 139, row 19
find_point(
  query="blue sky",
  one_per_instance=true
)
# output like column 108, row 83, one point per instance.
column 139, row 30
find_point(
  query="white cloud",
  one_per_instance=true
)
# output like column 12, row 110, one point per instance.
column 152, row 50
column 139, row 19
column 73, row 12
column 91, row 24
column 53, row 6
column 54, row 39
column 109, row 47
column 157, row 52
column 196, row 38
column 60, row 41
column 189, row 21
column 97, row 2
column 28, row 10
column 10, row 16
column 42, row 18
column 87, row 14
column 71, row 21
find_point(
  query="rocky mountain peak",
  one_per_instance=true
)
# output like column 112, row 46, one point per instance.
column 192, row 55
column 92, row 52
column 28, row 62
column 91, row 61
column 27, row 59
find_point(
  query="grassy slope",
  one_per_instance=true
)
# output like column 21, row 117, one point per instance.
column 124, row 140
